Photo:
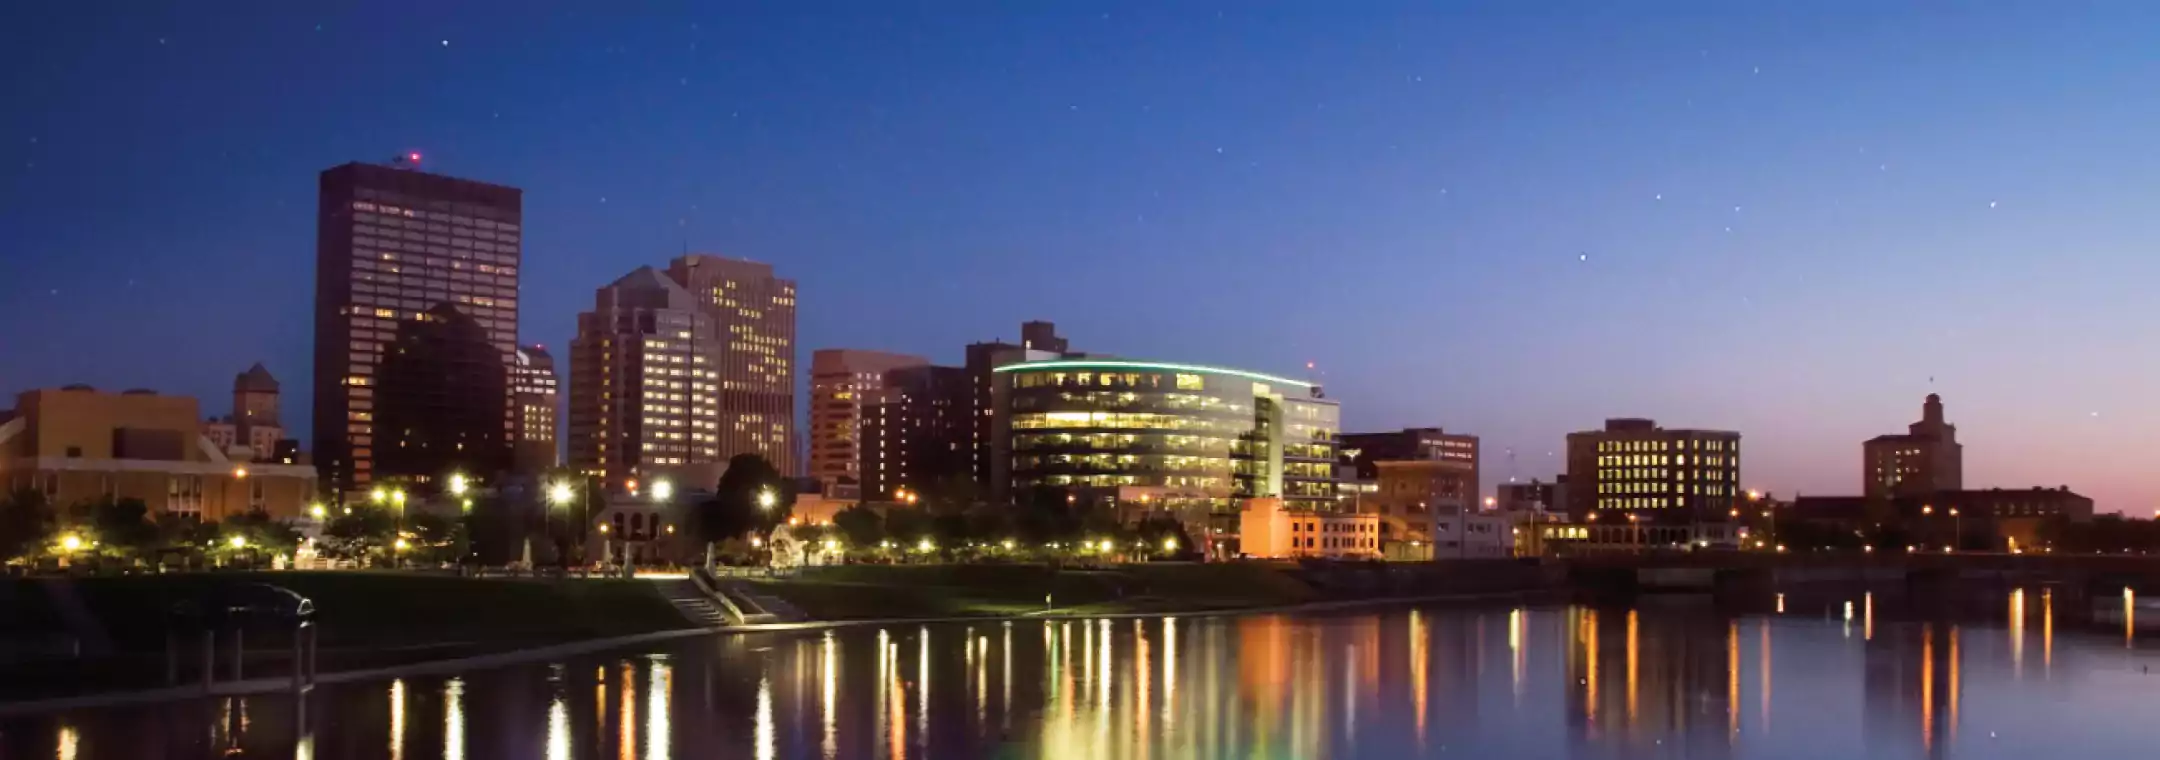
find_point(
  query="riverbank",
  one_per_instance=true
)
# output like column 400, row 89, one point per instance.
column 378, row 624
column 367, row 620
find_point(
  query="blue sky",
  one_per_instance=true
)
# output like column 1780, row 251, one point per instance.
column 1505, row 220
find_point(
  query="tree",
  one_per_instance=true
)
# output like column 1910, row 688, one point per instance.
column 751, row 497
column 26, row 524
column 120, row 527
column 259, row 531
column 861, row 526
column 359, row 532
column 435, row 537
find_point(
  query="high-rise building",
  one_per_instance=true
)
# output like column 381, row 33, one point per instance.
column 1191, row 439
column 1926, row 459
column 1039, row 341
column 645, row 391
column 840, row 381
column 391, row 244
column 683, row 370
column 754, row 312
column 1634, row 469
column 452, row 394
column 915, row 433
column 532, row 392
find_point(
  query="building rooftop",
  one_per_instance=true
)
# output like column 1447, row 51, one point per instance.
column 256, row 380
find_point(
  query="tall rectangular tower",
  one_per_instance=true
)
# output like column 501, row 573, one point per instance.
column 532, row 391
column 391, row 244
column 645, row 394
column 755, row 314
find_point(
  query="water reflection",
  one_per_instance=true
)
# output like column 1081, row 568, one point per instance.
column 1660, row 680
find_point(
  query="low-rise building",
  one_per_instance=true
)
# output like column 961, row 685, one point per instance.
column 1269, row 530
column 78, row 444
column 1992, row 519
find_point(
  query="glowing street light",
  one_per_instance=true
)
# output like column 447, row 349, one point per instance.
column 71, row 542
column 924, row 545
column 317, row 511
column 1007, row 544
column 379, row 495
column 239, row 472
column 397, row 497
column 766, row 499
column 662, row 490
column 402, row 544
column 237, row 542
column 458, row 484
column 1169, row 544
column 559, row 494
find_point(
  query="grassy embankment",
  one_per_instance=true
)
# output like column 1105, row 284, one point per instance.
column 367, row 619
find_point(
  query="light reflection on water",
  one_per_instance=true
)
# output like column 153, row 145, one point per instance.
column 1665, row 679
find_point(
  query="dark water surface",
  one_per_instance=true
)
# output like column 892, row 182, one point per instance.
column 1662, row 679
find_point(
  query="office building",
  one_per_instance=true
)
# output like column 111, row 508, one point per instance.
column 915, row 434
column 533, row 394
column 77, row 445
column 645, row 391
column 1039, row 341
column 754, row 312
column 252, row 431
column 1534, row 497
column 1433, row 444
column 392, row 244
column 451, row 395
column 1415, row 497
column 840, row 380
column 1926, row 459
column 1199, row 440
column 1634, row 468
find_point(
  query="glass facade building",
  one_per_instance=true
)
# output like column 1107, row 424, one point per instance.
column 1194, row 436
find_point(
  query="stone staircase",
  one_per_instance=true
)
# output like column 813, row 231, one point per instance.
column 693, row 603
column 775, row 609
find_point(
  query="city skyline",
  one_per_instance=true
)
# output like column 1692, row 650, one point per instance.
column 1876, row 255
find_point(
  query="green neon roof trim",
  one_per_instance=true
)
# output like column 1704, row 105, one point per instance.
column 1117, row 364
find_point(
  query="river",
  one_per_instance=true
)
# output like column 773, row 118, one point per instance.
column 1659, row 679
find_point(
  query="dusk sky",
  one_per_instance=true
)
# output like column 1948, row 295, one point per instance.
column 1505, row 221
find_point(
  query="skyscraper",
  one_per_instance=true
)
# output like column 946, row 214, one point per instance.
column 682, row 370
column 1926, row 459
column 840, row 381
column 755, row 314
column 449, row 396
column 532, row 392
column 644, row 391
column 391, row 244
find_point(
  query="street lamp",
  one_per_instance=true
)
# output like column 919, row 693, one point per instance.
column 71, row 542
column 237, row 542
column 378, row 496
column 559, row 494
column 766, row 499
column 662, row 490
column 1169, row 544
column 458, row 485
column 317, row 511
